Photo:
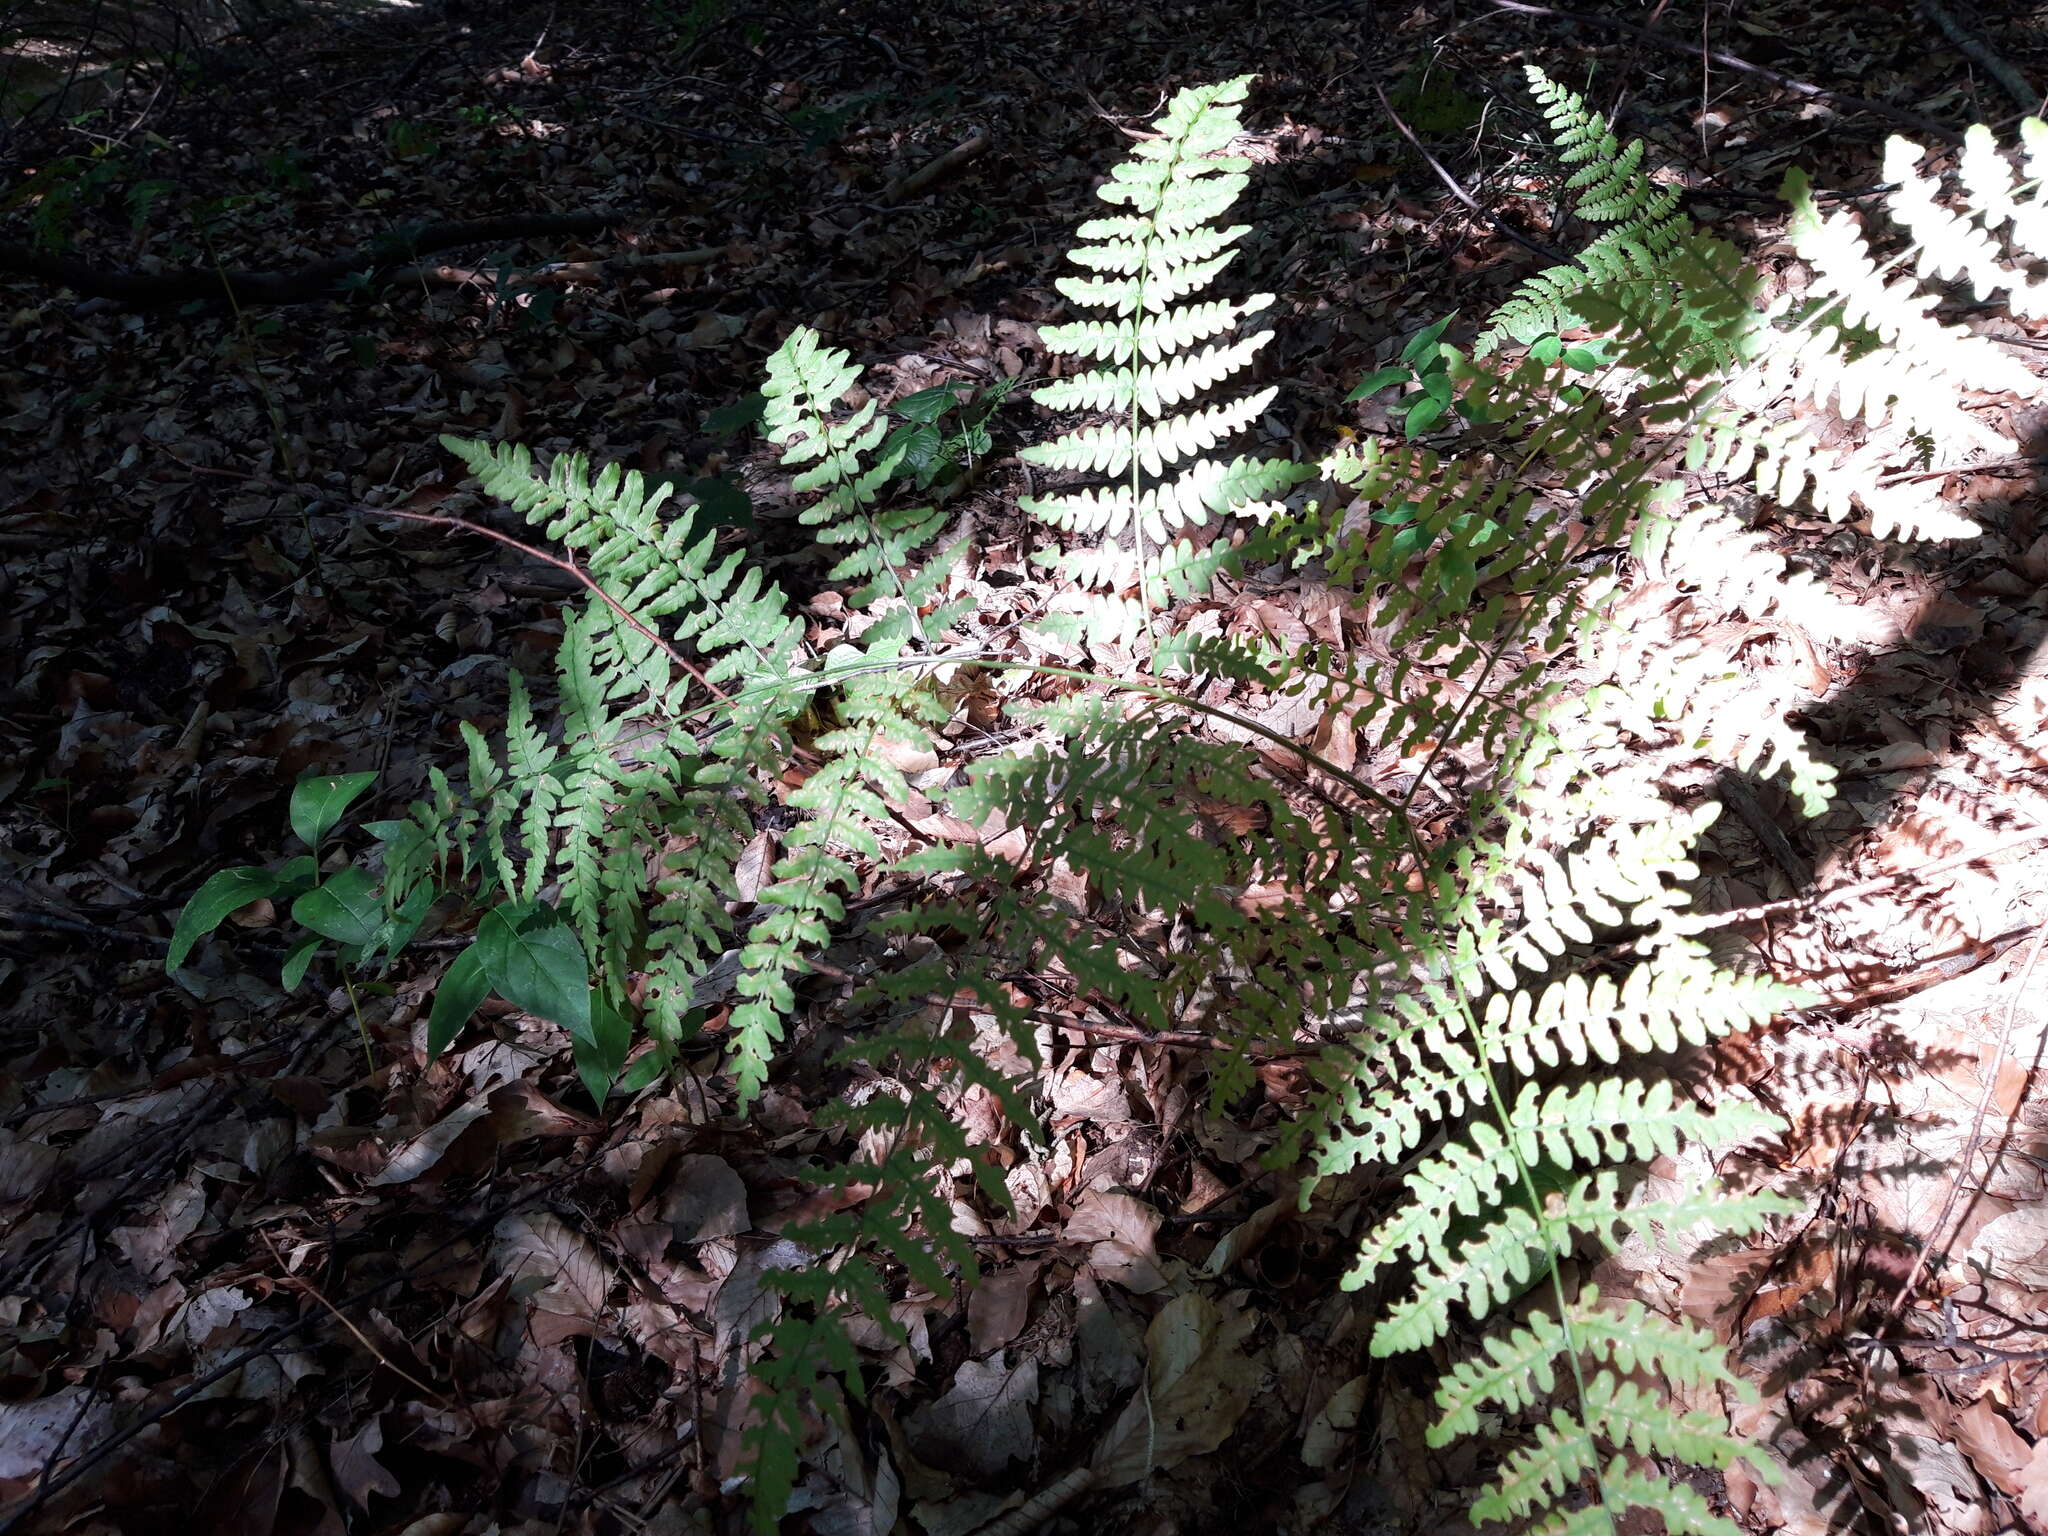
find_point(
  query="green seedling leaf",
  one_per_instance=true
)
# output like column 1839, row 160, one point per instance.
column 743, row 415
column 645, row 1071
column 298, row 874
column 917, row 447
column 463, row 988
column 1587, row 356
column 601, row 1055
column 345, row 908
column 296, row 961
column 396, row 931
column 1547, row 349
column 721, row 503
column 927, row 404
column 1424, row 342
column 1376, row 381
column 535, row 963
column 1424, row 414
column 223, row 894
column 317, row 803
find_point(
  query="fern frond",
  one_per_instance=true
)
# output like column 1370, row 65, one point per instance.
column 1165, row 250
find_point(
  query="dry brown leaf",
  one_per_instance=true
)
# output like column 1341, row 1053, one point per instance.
column 410, row 1159
column 1335, row 1426
column 982, row 1424
column 559, row 1269
column 705, row 1200
column 1197, row 1386
column 1121, row 1228
column 998, row 1307
column 357, row 1472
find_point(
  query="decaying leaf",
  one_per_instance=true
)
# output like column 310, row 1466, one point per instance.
column 1198, row 1383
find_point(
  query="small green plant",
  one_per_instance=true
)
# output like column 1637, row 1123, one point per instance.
column 342, row 908
column 409, row 139
column 688, row 22
column 525, row 950
column 65, row 189
column 928, row 449
column 286, row 169
column 1423, row 366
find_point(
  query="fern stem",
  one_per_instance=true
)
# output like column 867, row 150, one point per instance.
column 560, row 564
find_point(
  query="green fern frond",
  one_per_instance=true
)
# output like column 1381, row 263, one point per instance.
column 1166, row 249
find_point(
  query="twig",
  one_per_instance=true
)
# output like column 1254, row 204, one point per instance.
column 559, row 564
column 1041, row 1506
column 1471, row 203
column 1730, row 61
column 608, row 267
column 918, row 180
column 1995, row 466
column 1740, row 798
column 1974, row 47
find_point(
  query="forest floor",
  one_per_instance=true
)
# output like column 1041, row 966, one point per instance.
column 263, row 1270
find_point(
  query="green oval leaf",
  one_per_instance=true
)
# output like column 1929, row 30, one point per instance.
column 297, row 960
column 344, row 908
column 535, row 963
column 463, row 987
column 1424, row 414
column 224, row 893
column 927, row 404
column 1376, row 381
column 317, row 804
column 601, row 1055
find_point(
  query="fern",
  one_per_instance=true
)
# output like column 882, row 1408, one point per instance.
column 1486, row 999
column 1703, row 351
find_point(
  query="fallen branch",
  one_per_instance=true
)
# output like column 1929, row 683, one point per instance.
column 1973, row 47
column 380, row 259
column 609, row 268
column 1500, row 225
column 922, row 178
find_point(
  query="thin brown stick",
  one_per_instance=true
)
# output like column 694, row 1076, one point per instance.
column 378, row 257
column 1973, row 47
column 921, row 178
column 559, row 564
column 1452, row 185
